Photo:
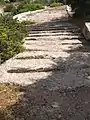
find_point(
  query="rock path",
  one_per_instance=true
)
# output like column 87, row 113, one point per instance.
column 49, row 46
column 54, row 71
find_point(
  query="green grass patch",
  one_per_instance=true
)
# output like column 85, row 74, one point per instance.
column 54, row 4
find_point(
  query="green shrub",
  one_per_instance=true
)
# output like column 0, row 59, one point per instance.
column 29, row 7
column 54, row 4
column 9, row 8
column 20, row 6
column 2, row 2
column 23, row 7
column 11, row 36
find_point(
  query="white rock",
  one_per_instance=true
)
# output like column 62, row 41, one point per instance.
column 86, row 30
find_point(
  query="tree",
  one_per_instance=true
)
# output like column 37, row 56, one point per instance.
column 81, row 7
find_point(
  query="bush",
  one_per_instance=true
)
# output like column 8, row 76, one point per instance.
column 23, row 7
column 29, row 7
column 9, row 8
column 11, row 36
column 2, row 2
column 54, row 4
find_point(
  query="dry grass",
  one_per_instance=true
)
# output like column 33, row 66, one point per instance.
column 9, row 95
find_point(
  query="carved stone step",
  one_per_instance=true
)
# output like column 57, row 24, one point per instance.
column 44, row 29
column 48, row 47
column 63, row 37
column 54, row 31
column 53, row 42
column 41, row 55
column 53, row 34
column 24, row 78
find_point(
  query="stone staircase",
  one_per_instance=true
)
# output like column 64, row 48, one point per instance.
column 44, row 45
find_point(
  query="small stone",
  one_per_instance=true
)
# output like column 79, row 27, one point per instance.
column 86, row 102
column 55, row 105
column 64, row 94
column 60, row 116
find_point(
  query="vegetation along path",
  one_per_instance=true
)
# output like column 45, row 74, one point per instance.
column 53, row 71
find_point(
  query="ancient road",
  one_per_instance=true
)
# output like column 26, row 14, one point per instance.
column 54, row 70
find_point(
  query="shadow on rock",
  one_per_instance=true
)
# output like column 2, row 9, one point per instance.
column 62, row 96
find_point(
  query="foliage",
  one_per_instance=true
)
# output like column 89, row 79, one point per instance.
column 23, row 7
column 54, row 4
column 9, row 8
column 2, row 2
column 11, row 36
column 29, row 7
